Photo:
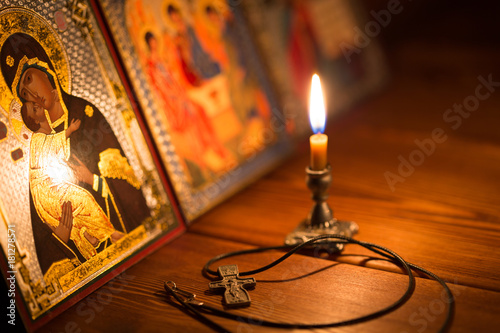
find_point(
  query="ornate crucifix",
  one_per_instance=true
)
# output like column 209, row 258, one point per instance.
column 235, row 294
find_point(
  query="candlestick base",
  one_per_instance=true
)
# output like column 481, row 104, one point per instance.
column 305, row 232
column 320, row 220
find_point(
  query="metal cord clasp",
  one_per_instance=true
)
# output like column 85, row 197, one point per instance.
column 181, row 295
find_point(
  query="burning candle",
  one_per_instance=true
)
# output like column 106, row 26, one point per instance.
column 317, row 117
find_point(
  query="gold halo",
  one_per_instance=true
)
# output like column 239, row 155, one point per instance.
column 141, row 36
column 183, row 9
column 200, row 11
column 145, row 22
column 219, row 5
column 11, row 22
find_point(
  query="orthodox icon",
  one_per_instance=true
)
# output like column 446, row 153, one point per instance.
column 204, row 91
column 299, row 38
column 80, row 190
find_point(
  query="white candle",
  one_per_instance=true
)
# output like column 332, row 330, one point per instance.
column 317, row 117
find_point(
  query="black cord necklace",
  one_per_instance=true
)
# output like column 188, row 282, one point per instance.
column 201, row 310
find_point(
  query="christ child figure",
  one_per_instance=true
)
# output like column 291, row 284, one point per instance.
column 53, row 185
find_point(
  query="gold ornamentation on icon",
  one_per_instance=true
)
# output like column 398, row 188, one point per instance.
column 113, row 165
column 80, row 15
column 102, row 259
column 10, row 61
column 17, row 125
column 89, row 111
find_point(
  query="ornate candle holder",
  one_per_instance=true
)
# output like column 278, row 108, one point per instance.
column 320, row 220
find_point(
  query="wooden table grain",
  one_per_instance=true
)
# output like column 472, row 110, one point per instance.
column 442, row 213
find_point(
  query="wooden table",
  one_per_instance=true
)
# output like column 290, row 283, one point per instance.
column 442, row 214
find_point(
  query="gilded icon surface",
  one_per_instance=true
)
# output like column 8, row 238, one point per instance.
column 80, row 190
column 204, row 92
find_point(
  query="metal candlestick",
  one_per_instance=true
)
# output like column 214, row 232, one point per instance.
column 320, row 220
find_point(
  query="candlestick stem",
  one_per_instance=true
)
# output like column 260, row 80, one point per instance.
column 319, row 182
column 320, row 220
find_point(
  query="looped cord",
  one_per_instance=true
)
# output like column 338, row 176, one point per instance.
column 199, row 308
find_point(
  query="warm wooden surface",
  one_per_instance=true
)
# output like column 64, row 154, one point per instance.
column 330, row 291
column 445, row 216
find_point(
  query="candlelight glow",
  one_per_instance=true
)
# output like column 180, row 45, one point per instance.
column 59, row 172
column 317, row 114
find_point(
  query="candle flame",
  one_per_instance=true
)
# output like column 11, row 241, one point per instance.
column 317, row 114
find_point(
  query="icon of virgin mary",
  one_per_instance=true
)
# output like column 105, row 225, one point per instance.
column 95, row 153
